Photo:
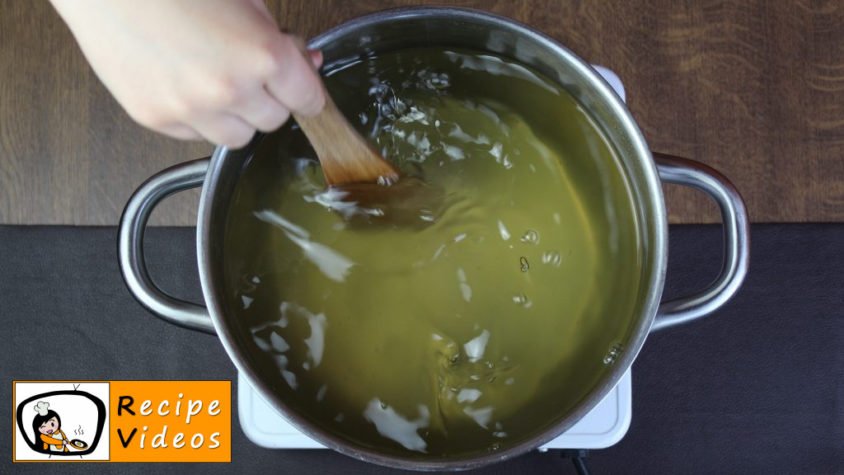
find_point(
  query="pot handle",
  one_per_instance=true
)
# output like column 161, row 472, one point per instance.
column 736, row 260
column 130, row 241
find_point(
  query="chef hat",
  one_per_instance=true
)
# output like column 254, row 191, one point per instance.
column 41, row 407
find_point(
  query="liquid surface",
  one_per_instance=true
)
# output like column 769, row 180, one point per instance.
column 480, row 325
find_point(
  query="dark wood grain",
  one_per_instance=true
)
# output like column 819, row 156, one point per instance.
column 753, row 88
column 68, row 153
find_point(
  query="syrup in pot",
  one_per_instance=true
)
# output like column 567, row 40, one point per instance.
column 470, row 332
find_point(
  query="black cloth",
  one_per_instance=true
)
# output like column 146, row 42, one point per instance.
column 756, row 388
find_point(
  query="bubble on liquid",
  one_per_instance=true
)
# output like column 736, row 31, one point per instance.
column 524, row 265
column 497, row 151
column 613, row 354
column 466, row 292
column 522, row 300
column 502, row 230
column 552, row 258
column 481, row 416
column 455, row 153
column 433, row 81
column 468, row 395
column 260, row 342
column 465, row 289
column 278, row 343
column 290, row 378
column 494, row 447
column 385, row 181
column 475, row 347
column 458, row 133
column 250, row 283
column 414, row 115
column 530, row 237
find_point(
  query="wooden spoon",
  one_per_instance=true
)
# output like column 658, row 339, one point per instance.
column 363, row 177
column 346, row 157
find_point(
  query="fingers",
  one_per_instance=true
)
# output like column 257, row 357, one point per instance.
column 261, row 101
column 262, row 111
column 294, row 85
column 179, row 131
column 294, row 81
column 233, row 126
column 314, row 55
column 223, row 128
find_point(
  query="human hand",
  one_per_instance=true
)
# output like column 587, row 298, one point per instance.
column 194, row 69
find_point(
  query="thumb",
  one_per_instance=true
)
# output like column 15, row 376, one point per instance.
column 296, row 82
column 316, row 57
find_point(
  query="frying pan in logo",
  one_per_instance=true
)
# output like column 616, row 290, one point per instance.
column 78, row 444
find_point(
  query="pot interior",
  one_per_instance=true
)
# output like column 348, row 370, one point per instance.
column 626, row 209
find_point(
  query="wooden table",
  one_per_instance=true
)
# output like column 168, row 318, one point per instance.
column 753, row 88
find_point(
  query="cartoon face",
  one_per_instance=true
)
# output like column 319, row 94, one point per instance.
column 49, row 426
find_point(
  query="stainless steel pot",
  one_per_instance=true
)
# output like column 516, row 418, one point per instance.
column 450, row 27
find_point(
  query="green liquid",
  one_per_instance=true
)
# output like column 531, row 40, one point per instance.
column 478, row 328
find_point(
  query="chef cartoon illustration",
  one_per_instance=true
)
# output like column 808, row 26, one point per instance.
column 47, row 425
column 58, row 421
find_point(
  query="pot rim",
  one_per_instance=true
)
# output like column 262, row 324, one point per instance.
column 657, row 243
